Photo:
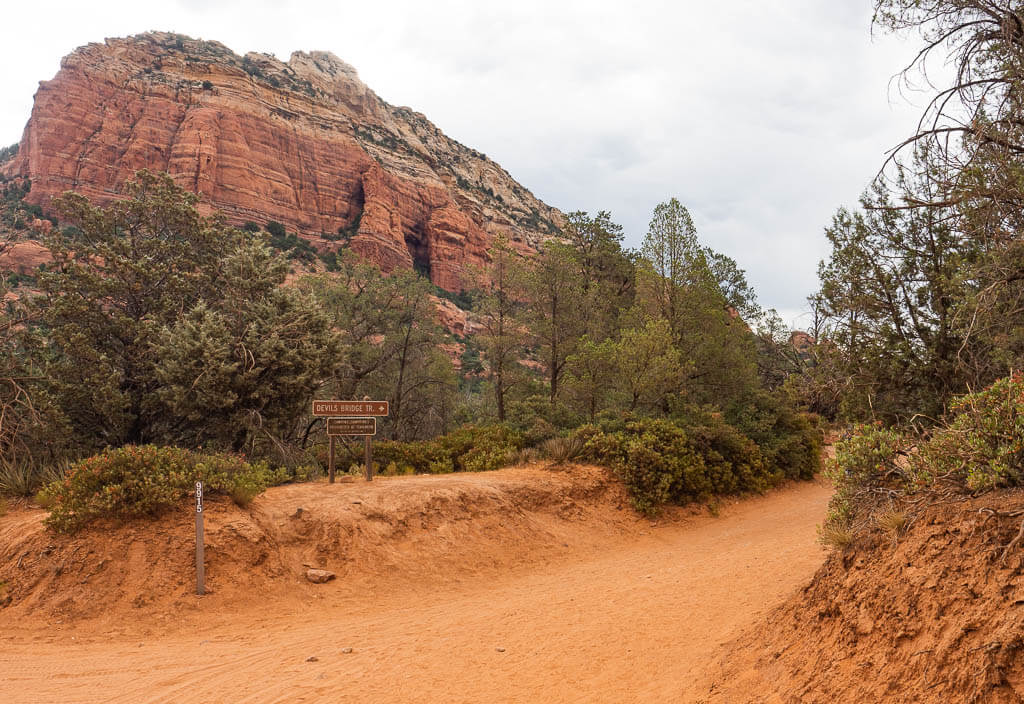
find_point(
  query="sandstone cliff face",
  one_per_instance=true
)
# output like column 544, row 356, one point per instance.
column 303, row 142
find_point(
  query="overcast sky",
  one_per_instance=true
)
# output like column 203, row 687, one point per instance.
column 761, row 116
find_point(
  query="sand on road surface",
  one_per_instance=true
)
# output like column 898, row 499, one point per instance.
column 628, row 617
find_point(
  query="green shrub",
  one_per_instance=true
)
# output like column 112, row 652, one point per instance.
column 534, row 415
column 734, row 462
column 276, row 229
column 982, row 444
column 330, row 260
column 480, row 448
column 146, row 480
column 469, row 449
column 660, row 462
column 419, row 457
column 979, row 447
column 790, row 441
column 869, row 458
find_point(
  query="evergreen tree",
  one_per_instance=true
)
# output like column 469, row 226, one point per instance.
column 502, row 334
column 147, row 270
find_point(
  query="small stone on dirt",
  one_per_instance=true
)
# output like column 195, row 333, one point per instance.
column 298, row 512
column 312, row 658
column 346, row 651
column 500, row 650
column 357, row 502
column 319, row 576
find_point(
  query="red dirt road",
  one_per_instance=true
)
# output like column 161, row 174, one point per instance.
column 633, row 617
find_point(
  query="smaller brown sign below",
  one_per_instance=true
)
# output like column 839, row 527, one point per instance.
column 351, row 426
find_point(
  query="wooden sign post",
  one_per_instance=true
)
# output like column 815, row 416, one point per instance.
column 330, row 459
column 351, row 418
column 200, row 548
column 369, row 459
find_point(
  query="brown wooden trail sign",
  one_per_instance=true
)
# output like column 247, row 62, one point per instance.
column 361, row 409
column 361, row 420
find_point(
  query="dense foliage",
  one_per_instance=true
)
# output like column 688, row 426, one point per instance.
column 663, row 461
column 156, row 324
column 467, row 449
column 133, row 481
column 977, row 448
column 921, row 299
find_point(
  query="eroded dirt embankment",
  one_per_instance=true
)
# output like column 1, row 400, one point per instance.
column 523, row 585
column 933, row 615
column 407, row 530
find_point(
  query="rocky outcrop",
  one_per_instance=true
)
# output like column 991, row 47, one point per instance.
column 302, row 142
column 24, row 257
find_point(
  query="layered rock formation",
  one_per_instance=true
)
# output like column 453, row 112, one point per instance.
column 303, row 142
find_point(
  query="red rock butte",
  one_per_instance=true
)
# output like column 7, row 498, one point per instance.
column 302, row 142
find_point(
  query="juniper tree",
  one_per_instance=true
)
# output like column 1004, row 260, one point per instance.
column 148, row 270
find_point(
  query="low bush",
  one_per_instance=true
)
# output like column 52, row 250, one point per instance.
column 471, row 448
column 697, row 456
column 527, row 455
column 135, row 481
column 536, row 416
column 982, row 443
column 869, row 458
column 663, row 463
column 978, row 447
column 790, row 441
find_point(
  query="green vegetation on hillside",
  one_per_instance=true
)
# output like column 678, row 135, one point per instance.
column 8, row 153
column 156, row 326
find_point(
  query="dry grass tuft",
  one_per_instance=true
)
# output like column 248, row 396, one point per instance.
column 525, row 456
column 835, row 536
column 892, row 521
column 23, row 480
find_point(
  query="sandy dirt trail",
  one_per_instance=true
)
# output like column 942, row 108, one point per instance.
column 632, row 619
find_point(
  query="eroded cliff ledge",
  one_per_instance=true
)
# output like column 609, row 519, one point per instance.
column 303, row 142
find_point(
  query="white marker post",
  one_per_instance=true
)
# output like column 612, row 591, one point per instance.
column 200, row 556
